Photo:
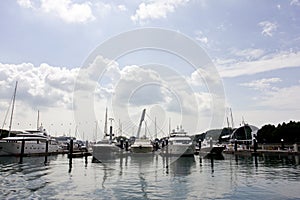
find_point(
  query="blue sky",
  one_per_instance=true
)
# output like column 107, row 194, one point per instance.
column 253, row 44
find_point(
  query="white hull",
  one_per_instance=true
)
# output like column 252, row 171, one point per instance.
column 179, row 150
column 30, row 148
column 142, row 146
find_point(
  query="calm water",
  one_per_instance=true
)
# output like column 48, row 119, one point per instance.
column 234, row 177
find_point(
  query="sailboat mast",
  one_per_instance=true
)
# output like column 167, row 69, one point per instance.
column 105, row 124
column 12, row 110
column 38, row 120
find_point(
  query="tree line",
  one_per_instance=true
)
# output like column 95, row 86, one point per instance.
column 289, row 132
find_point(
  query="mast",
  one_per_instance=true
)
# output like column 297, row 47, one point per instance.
column 12, row 110
column 38, row 120
column 169, row 125
column 231, row 118
column 155, row 128
column 105, row 124
column 140, row 125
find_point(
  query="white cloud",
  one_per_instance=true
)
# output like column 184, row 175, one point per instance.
column 249, row 54
column 156, row 9
column 268, row 28
column 38, row 86
column 262, row 84
column 201, row 37
column 281, row 60
column 25, row 3
column 122, row 7
column 295, row 2
column 66, row 10
column 287, row 98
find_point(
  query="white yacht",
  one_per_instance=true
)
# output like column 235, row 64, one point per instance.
column 209, row 146
column 106, row 149
column 34, row 143
column 143, row 144
column 179, row 144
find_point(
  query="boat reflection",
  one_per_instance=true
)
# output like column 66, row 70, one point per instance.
column 181, row 166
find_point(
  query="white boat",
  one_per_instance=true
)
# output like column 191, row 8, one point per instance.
column 34, row 144
column 106, row 149
column 180, row 144
column 142, row 145
column 208, row 146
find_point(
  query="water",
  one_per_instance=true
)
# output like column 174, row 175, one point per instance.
column 234, row 177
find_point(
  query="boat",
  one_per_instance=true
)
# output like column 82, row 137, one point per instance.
column 179, row 144
column 29, row 142
column 142, row 144
column 208, row 146
column 106, row 149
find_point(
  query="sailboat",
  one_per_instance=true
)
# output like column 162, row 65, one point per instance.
column 142, row 144
column 30, row 142
column 105, row 149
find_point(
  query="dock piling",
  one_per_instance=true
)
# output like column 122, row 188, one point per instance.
column 22, row 151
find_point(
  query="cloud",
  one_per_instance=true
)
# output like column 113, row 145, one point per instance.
column 249, row 54
column 66, row 10
column 25, row 3
column 156, row 9
column 295, row 2
column 287, row 98
column 262, row 84
column 200, row 37
column 268, row 28
column 234, row 68
column 122, row 7
column 42, row 86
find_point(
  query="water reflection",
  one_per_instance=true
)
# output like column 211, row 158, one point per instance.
column 182, row 166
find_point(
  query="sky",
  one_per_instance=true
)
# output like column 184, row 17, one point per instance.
column 251, row 51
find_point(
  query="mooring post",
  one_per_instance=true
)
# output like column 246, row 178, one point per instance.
column 126, row 145
column 282, row 144
column 71, row 148
column 22, row 151
column 235, row 145
column 199, row 143
column 122, row 143
column 255, row 145
column 46, row 152
column 70, row 155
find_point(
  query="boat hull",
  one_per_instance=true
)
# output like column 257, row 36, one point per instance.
column 179, row 150
column 30, row 148
column 103, row 152
column 141, row 149
column 212, row 150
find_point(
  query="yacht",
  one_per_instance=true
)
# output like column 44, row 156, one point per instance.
column 142, row 144
column 106, row 149
column 209, row 146
column 34, row 143
column 180, row 144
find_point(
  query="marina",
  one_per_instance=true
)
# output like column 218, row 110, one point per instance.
column 151, row 177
